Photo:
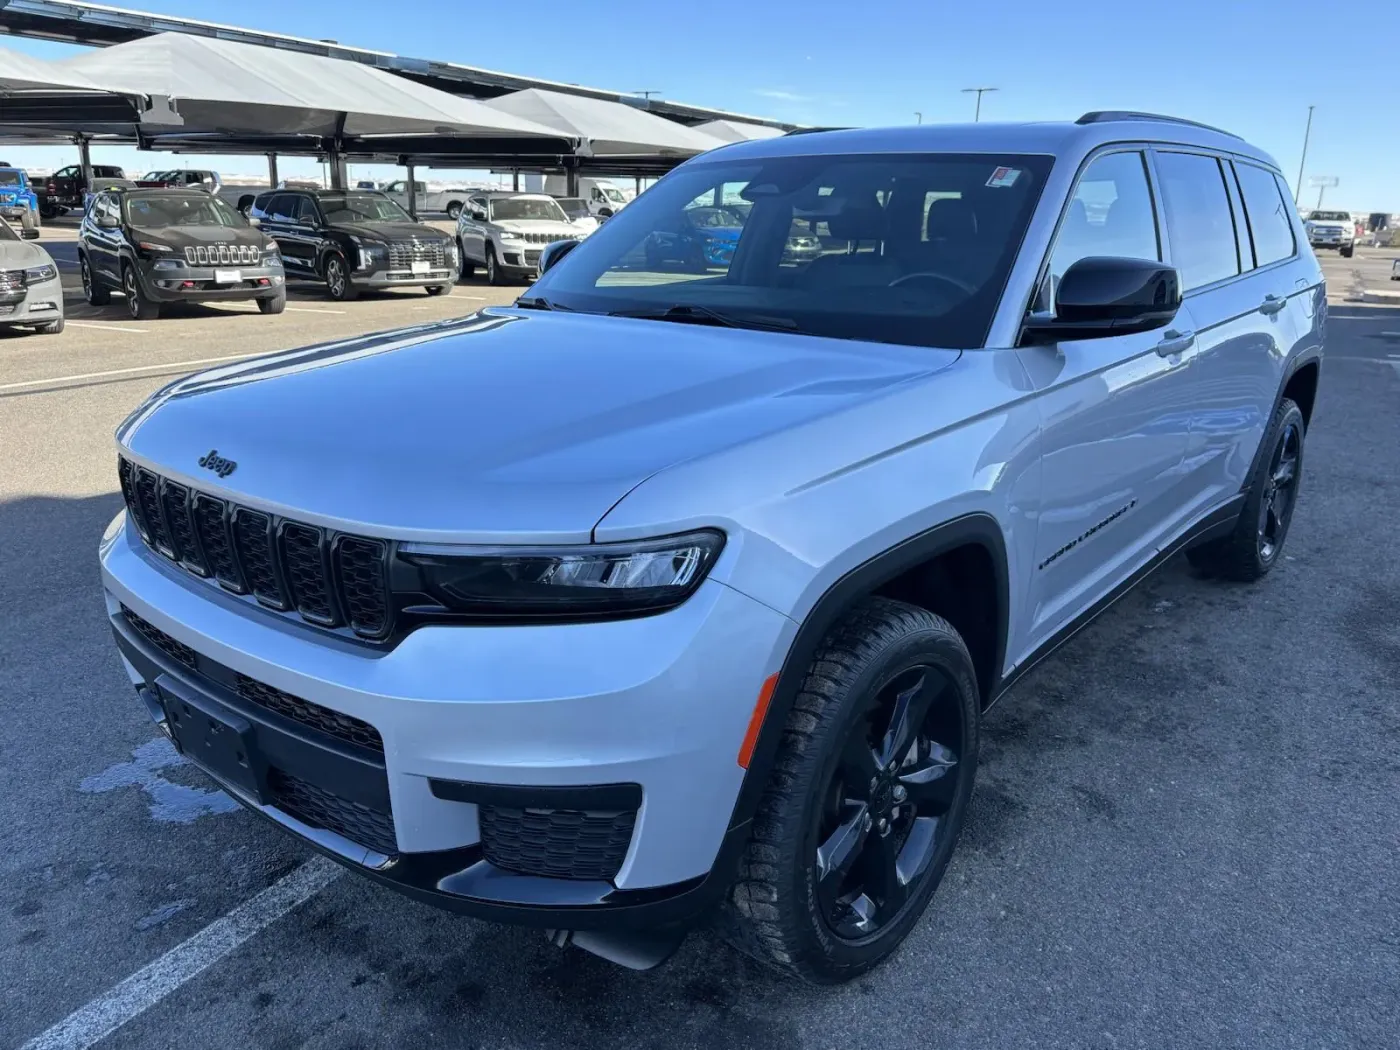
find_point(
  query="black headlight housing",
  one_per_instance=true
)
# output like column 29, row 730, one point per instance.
column 551, row 584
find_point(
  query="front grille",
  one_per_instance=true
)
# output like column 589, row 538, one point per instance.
column 223, row 255
column 557, row 843
column 176, row 650
column 11, row 280
column 343, row 727
column 403, row 254
column 544, row 238
column 328, row 579
column 321, row 809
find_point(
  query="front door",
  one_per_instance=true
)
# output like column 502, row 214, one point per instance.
column 472, row 225
column 1117, row 413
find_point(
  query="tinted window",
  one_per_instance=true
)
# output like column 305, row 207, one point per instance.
column 1270, row 221
column 283, row 207
column 908, row 249
column 1109, row 214
column 1202, row 229
column 306, row 211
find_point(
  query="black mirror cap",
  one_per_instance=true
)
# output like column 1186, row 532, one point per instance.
column 554, row 251
column 1103, row 295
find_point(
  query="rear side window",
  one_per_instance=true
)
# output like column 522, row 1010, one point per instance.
column 1269, row 221
column 1110, row 214
column 1202, row 229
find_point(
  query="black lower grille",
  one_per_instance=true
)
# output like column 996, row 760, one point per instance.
column 171, row 647
column 341, row 726
column 321, row 809
column 557, row 843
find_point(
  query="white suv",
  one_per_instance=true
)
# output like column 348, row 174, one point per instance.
column 505, row 232
column 1332, row 229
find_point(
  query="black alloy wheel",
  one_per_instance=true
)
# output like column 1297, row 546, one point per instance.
column 885, row 810
column 138, row 307
column 1280, row 492
column 95, row 295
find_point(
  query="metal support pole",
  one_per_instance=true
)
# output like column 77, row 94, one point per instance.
column 85, row 161
column 637, row 186
column 272, row 170
column 412, row 190
column 1307, row 133
column 337, row 165
column 515, row 180
column 572, row 183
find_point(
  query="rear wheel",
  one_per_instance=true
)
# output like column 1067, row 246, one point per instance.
column 274, row 304
column 138, row 307
column 94, row 293
column 867, row 798
column 1251, row 550
column 467, row 266
column 454, row 209
column 337, row 273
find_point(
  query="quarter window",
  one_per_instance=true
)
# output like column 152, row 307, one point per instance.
column 1202, row 229
column 1269, row 220
column 1110, row 214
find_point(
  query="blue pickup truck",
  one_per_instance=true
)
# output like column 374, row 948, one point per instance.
column 18, row 199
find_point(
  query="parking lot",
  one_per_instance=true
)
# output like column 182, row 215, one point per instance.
column 1184, row 832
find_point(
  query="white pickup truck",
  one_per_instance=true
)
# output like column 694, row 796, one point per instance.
column 448, row 200
column 1332, row 229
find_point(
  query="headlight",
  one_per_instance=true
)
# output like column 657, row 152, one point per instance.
column 153, row 246
column 589, row 581
column 39, row 274
column 509, row 235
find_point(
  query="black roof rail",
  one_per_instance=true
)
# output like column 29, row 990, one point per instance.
column 811, row 131
column 1105, row 116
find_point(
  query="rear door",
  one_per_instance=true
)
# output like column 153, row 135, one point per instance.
column 1238, row 305
column 1117, row 411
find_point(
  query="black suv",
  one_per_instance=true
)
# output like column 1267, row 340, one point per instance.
column 169, row 245
column 356, row 239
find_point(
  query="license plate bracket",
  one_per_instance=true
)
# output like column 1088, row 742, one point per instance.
column 213, row 737
column 228, row 276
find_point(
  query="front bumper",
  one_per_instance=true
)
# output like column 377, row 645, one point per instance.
column 36, row 304
column 475, row 717
column 403, row 278
column 183, row 283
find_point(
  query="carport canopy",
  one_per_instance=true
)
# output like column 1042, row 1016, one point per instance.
column 738, row 131
column 227, row 88
column 607, row 129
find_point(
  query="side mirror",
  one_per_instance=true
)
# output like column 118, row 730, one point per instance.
column 254, row 222
column 304, row 221
column 1101, row 296
column 477, row 214
column 107, row 222
column 554, row 251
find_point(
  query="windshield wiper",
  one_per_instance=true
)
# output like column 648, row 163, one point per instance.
column 539, row 302
column 689, row 314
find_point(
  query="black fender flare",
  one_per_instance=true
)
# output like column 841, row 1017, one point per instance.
column 1295, row 365
column 977, row 528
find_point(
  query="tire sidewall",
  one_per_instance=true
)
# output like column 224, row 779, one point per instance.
column 131, row 285
column 1288, row 413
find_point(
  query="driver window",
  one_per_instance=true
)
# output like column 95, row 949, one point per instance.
column 1110, row 214
column 283, row 208
column 306, row 211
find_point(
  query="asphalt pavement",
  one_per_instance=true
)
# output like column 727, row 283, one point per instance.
column 1185, row 830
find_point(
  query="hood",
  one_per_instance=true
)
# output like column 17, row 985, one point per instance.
column 14, row 254
column 564, row 229
column 391, row 231
column 189, row 236
column 509, row 426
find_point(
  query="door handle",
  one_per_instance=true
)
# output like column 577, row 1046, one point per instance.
column 1272, row 304
column 1174, row 342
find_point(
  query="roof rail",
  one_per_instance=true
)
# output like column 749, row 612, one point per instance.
column 811, row 131
column 1105, row 116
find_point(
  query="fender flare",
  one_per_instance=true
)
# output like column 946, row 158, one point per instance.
column 977, row 528
column 1307, row 357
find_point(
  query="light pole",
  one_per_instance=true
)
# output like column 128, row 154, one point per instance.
column 979, row 92
column 1307, row 133
column 918, row 117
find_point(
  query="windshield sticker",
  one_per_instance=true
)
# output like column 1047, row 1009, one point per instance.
column 1003, row 177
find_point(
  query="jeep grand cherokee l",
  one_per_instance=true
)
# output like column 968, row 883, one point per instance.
column 669, row 593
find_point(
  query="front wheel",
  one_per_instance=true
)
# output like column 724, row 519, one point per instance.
column 338, row 285
column 28, row 221
column 436, row 289
column 273, row 304
column 1346, row 253
column 1251, row 550
column 869, row 792
column 52, row 328
column 493, row 268
column 138, row 307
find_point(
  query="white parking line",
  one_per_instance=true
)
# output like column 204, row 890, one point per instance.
column 311, row 310
column 153, row 982
column 123, row 371
column 107, row 327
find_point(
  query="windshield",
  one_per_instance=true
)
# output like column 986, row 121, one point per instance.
column 1330, row 216
column 362, row 208
column 9, row 178
column 613, row 194
column 508, row 208
column 910, row 249
column 187, row 209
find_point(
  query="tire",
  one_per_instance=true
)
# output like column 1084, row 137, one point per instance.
column 467, row 267
column 1252, row 549
column 454, row 210
column 273, row 304
column 493, row 269
column 138, row 307
column 52, row 328
column 337, row 275
column 29, row 221
column 48, row 211
column 1346, row 253
column 437, row 289
column 93, row 292
column 818, row 891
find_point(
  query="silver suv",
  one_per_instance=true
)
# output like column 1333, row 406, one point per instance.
column 681, row 590
column 504, row 233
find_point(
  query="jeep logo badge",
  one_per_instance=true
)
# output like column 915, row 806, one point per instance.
column 215, row 462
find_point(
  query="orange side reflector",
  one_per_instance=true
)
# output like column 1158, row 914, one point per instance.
column 765, row 695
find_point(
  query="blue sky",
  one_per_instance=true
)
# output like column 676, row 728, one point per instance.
column 1240, row 64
